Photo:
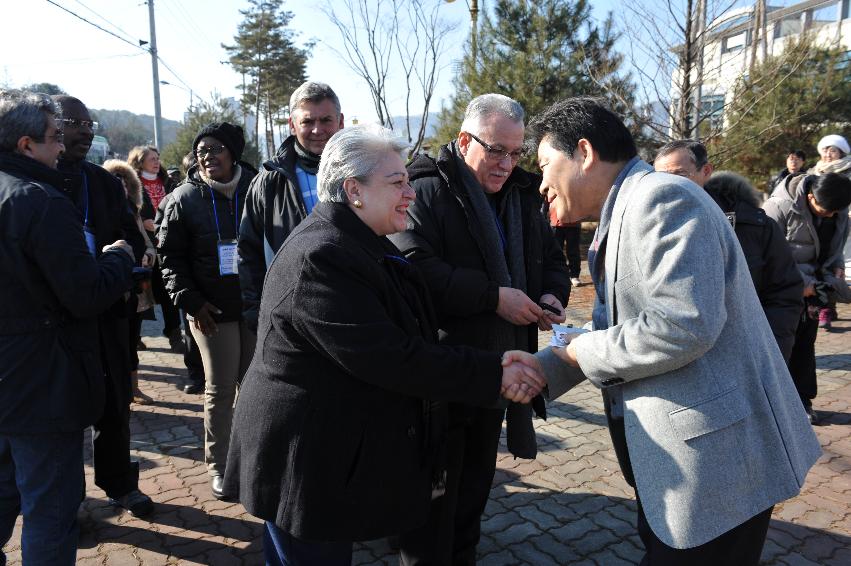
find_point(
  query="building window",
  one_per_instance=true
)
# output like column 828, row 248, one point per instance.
column 826, row 15
column 790, row 25
column 736, row 42
column 712, row 109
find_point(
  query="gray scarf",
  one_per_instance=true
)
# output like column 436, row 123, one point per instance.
column 505, row 266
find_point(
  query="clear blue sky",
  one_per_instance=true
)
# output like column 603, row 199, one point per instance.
column 43, row 43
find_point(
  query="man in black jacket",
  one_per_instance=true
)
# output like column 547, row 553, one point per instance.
column 284, row 192
column 794, row 165
column 51, row 290
column 491, row 262
column 775, row 276
column 106, row 215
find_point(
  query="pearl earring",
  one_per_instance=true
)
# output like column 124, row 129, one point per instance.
column 357, row 204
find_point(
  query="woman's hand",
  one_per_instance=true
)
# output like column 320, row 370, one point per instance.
column 203, row 319
column 149, row 225
column 522, row 377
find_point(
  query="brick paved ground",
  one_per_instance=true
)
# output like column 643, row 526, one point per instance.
column 569, row 506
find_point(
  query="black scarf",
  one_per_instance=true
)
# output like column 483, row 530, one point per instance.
column 306, row 159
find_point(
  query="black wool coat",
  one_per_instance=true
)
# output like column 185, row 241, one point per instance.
column 51, row 290
column 329, row 433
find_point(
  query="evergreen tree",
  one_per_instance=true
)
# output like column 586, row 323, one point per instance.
column 219, row 110
column 264, row 51
column 537, row 53
column 788, row 102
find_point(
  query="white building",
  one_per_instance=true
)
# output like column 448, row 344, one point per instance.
column 728, row 47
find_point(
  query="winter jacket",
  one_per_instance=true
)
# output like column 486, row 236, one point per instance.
column 788, row 207
column 273, row 208
column 329, row 436
column 51, row 290
column 188, row 245
column 775, row 276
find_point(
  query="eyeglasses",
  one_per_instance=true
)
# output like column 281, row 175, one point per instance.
column 57, row 136
column 75, row 123
column 498, row 154
column 203, row 152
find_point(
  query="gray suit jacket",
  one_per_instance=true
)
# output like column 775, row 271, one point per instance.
column 715, row 429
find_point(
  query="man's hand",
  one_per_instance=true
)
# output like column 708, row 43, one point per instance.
column 149, row 225
column 149, row 257
column 567, row 354
column 203, row 319
column 547, row 318
column 120, row 245
column 517, row 308
column 522, row 377
column 839, row 272
column 810, row 291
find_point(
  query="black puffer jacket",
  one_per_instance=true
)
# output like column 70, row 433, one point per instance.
column 775, row 276
column 273, row 207
column 188, row 245
column 51, row 290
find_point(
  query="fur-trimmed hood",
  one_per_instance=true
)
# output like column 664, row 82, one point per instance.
column 728, row 189
column 131, row 180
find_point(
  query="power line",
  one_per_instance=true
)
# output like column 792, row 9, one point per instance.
column 104, row 19
column 127, row 41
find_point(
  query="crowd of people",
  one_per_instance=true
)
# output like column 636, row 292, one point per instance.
column 362, row 325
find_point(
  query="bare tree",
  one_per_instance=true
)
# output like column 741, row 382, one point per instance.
column 377, row 32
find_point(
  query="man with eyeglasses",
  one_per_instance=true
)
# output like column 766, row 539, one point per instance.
column 284, row 192
column 769, row 258
column 102, row 203
column 490, row 260
column 51, row 290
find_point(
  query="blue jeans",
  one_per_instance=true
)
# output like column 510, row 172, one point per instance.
column 282, row 549
column 41, row 477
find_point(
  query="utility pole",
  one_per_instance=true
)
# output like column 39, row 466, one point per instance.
column 699, row 43
column 156, row 73
column 474, row 28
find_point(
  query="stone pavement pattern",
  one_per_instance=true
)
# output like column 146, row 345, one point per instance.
column 569, row 506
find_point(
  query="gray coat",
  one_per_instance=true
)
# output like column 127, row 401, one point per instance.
column 715, row 429
column 788, row 207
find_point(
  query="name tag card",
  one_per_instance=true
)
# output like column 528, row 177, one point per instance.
column 227, row 257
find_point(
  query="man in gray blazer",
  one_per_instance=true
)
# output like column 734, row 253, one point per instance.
column 702, row 412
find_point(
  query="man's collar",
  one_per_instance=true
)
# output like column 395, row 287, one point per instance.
column 624, row 172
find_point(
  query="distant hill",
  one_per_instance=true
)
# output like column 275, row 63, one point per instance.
column 124, row 129
column 399, row 125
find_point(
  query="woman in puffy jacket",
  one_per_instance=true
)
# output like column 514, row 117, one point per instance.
column 197, row 244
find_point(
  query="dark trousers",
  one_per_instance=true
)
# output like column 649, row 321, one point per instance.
column 41, row 477
column 802, row 362
column 740, row 546
column 454, row 524
column 282, row 549
column 115, row 474
column 171, row 314
column 567, row 239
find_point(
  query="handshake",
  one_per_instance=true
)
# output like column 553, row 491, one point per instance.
column 522, row 376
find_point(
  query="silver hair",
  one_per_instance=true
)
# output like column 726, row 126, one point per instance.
column 311, row 91
column 353, row 153
column 24, row 113
column 487, row 105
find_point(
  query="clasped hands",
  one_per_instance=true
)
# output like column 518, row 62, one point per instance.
column 522, row 376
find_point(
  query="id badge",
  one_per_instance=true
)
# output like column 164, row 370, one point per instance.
column 91, row 243
column 227, row 257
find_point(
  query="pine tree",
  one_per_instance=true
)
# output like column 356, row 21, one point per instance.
column 788, row 102
column 264, row 51
column 537, row 53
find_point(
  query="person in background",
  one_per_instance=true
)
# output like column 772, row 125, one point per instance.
column 812, row 211
column 284, row 192
column 133, row 190
column 773, row 271
column 833, row 150
column 568, row 238
column 102, row 203
column 496, row 276
column 795, row 163
column 700, row 407
column 52, row 289
column 145, row 160
column 197, row 244
column 339, row 429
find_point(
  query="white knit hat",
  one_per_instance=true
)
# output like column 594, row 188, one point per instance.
column 836, row 141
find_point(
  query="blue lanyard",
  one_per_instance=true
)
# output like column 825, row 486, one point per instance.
column 85, row 199
column 235, row 212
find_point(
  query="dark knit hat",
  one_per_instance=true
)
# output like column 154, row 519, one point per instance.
column 231, row 136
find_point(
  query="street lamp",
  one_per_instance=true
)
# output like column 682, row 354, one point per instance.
column 473, row 5
column 191, row 95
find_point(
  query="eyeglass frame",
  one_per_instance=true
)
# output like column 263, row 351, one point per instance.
column 76, row 123
column 58, row 136
column 494, row 153
column 209, row 149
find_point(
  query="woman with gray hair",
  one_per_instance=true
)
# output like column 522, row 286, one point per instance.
column 338, row 430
